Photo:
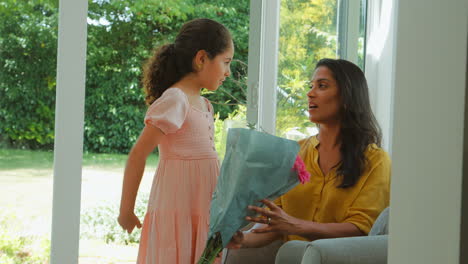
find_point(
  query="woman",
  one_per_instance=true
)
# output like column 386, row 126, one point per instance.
column 350, row 173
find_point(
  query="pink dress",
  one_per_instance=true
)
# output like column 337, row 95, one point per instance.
column 176, row 224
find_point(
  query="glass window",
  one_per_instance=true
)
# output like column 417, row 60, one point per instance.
column 362, row 34
column 121, row 36
column 308, row 33
column 28, row 41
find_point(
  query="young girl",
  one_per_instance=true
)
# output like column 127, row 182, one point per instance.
column 180, row 123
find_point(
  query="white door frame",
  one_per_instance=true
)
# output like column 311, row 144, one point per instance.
column 69, row 122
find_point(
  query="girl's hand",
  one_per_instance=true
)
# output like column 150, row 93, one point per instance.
column 275, row 219
column 236, row 241
column 128, row 221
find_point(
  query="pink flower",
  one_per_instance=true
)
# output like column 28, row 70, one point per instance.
column 302, row 173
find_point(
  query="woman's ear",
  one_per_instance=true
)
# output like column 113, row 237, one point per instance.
column 199, row 60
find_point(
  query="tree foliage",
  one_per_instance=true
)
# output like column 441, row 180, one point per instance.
column 28, row 47
column 307, row 34
column 121, row 36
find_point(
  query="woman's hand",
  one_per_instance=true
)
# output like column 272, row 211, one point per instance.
column 128, row 221
column 275, row 219
column 236, row 240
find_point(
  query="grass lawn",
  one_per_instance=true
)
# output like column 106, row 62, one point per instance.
column 12, row 159
column 26, row 178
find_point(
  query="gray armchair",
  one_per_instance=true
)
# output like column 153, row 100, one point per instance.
column 371, row 249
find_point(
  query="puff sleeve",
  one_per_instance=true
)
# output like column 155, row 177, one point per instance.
column 169, row 111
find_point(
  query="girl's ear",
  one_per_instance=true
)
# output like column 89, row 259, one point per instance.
column 199, row 59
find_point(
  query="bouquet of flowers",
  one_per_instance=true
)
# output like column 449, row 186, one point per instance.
column 256, row 166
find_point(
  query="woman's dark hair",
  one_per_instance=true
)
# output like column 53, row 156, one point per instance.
column 359, row 128
column 172, row 62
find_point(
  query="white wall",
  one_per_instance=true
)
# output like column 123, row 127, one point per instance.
column 427, row 141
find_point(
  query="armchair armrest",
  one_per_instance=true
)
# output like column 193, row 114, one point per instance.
column 348, row 250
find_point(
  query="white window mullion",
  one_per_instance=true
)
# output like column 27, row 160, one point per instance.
column 348, row 29
column 69, row 121
column 254, row 60
column 263, row 63
column 268, row 89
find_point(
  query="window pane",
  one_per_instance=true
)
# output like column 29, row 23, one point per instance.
column 362, row 34
column 28, row 41
column 308, row 33
column 121, row 36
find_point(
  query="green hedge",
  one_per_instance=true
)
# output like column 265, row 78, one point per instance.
column 28, row 44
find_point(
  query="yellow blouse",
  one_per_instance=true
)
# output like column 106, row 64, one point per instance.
column 319, row 200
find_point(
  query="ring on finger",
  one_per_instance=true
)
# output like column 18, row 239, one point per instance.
column 268, row 220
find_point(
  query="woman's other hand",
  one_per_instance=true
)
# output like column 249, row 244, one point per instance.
column 236, row 240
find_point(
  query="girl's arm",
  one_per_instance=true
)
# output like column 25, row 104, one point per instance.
column 147, row 141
